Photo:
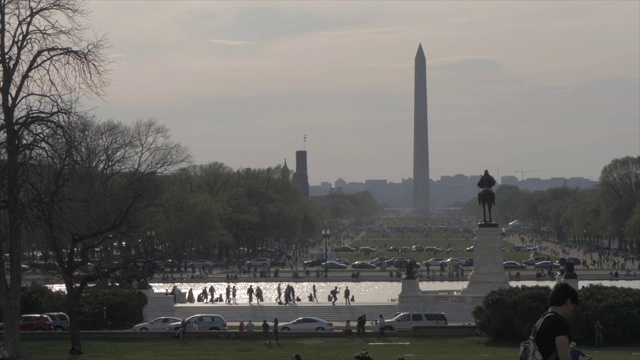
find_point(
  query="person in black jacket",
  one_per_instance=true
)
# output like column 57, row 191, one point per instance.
column 553, row 334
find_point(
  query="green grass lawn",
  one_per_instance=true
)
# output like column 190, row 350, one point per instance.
column 388, row 348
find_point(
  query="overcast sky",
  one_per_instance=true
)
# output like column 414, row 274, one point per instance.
column 548, row 88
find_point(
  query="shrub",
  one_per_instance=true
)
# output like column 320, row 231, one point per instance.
column 508, row 314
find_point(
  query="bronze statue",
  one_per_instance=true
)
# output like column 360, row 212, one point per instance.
column 410, row 272
column 486, row 196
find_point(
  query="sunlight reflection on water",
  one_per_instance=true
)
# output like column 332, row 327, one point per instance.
column 364, row 291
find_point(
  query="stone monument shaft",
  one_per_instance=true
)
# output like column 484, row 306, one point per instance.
column 421, row 199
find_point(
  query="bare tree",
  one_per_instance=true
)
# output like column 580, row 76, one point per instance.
column 91, row 186
column 48, row 62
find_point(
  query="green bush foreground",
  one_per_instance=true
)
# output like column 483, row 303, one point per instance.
column 313, row 348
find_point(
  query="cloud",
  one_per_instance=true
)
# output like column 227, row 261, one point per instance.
column 117, row 56
column 469, row 64
column 229, row 42
column 365, row 31
column 458, row 20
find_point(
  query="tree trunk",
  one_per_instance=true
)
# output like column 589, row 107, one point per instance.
column 10, row 294
column 73, row 301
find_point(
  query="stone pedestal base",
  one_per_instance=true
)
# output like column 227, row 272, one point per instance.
column 488, row 271
column 410, row 296
column 572, row 282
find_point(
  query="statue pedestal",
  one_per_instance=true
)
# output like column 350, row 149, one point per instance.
column 410, row 296
column 572, row 282
column 488, row 271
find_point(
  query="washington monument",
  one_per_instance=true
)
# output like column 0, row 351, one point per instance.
column 420, row 138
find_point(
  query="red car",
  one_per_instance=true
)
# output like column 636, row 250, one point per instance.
column 35, row 322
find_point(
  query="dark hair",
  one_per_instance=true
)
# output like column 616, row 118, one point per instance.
column 561, row 292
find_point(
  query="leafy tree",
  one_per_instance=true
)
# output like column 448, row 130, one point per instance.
column 94, row 182
column 620, row 179
column 47, row 64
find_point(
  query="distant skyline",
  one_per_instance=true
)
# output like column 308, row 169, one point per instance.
column 548, row 88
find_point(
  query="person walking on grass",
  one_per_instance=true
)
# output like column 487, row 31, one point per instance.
column 275, row 328
column 265, row 330
column 552, row 336
column 381, row 325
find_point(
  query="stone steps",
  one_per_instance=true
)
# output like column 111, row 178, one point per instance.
column 284, row 313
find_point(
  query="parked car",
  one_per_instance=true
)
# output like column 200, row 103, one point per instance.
column 378, row 261
column 343, row 261
column 455, row 249
column 433, row 249
column 393, row 249
column 277, row 263
column 433, row 261
column 345, row 249
column 417, row 248
column 306, row 324
column 510, row 264
column 334, row 265
column 60, row 321
column 313, row 262
column 533, row 260
column 156, row 324
column 409, row 320
column 362, row 265
column 402, row 263
column 575, row 261
column 204, row 321
column 469, row 249
column 368, row 249
column 259, row 262
column 546, row 265
column 205, row 263
column 33, row 322
column 23, row 267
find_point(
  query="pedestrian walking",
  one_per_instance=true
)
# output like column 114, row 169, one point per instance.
column 258, row 295
column 598, row 329
column 381, row 324
column 275, row 328
column 315, row 295
column 265, row 330
column 347, row 298
column 279, row 298
column 234, row 290
column 334, row 295
column 553, row 333
column 361, row 321
column 250, row 294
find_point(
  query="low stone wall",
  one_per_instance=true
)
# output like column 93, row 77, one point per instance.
column 430, row 331
column 456, row 306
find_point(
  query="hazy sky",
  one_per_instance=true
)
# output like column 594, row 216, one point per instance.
column 551, row 88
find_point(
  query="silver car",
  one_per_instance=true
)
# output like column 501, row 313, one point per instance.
column 201, row 322
column 306, row 324
column 156, row 324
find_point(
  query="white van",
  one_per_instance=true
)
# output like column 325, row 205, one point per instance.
column 409, row 320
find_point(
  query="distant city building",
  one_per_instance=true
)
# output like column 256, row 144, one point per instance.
column 300, row 176
column 445, row 192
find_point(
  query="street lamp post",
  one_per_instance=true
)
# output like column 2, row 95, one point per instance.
column 325, row 236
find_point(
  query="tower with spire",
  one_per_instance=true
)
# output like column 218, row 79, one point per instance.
column 300, row 176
